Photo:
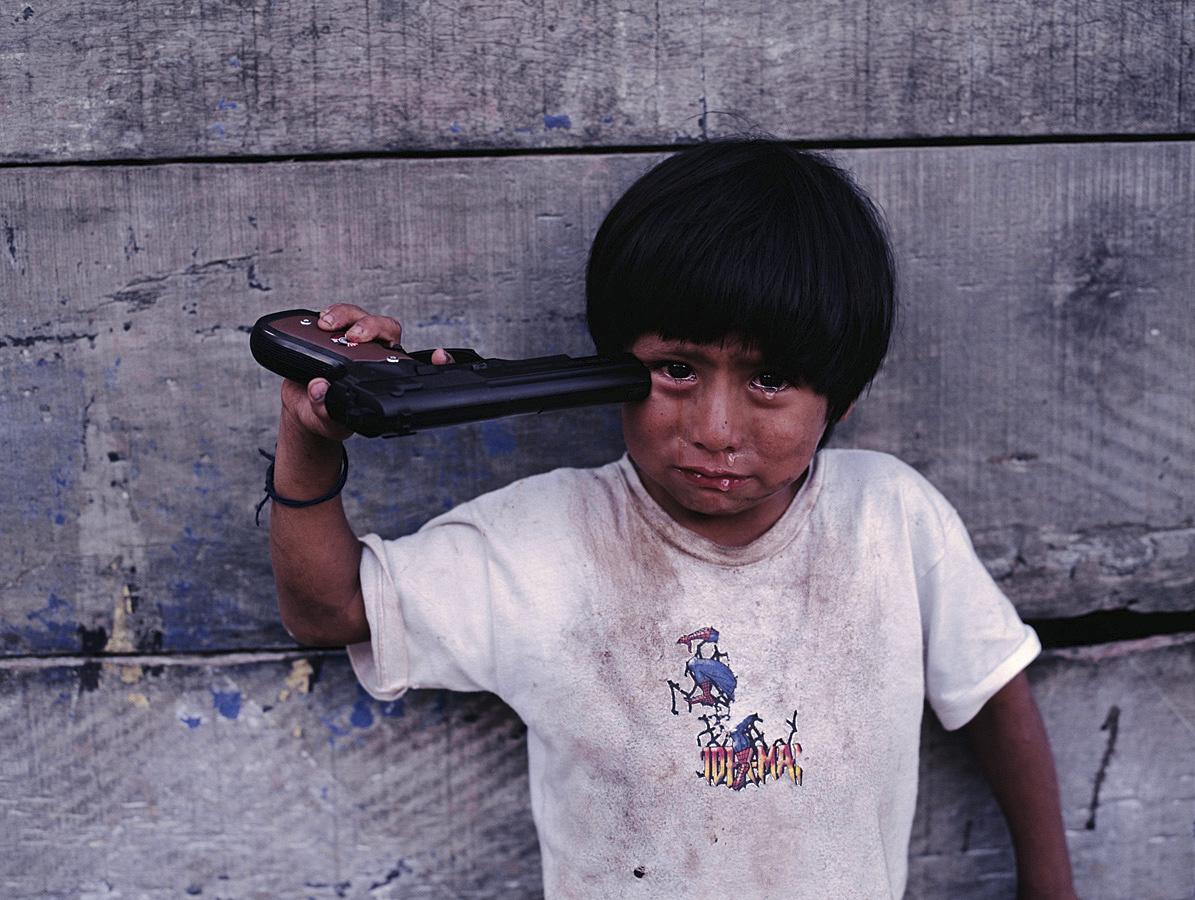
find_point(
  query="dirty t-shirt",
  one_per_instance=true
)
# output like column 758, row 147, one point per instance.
column 704, row 721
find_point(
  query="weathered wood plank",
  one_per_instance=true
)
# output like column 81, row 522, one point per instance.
column 1121, row 719
column 1042, row 377
column 271, row 778
column 135, row 412
column 276, row 777
column 87, row 81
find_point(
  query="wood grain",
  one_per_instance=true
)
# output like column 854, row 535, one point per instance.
column 1041, row 377
column 269, row 777
column 272, row 775
column 153, row 80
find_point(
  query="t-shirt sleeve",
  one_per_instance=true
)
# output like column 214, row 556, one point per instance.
column 427, row 599
column 974, row 640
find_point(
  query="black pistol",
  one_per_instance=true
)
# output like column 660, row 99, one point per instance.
column 382, row 392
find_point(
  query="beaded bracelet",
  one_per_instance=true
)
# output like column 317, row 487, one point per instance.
column 272, row 494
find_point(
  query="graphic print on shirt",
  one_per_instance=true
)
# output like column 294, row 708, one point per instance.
column 733, row 755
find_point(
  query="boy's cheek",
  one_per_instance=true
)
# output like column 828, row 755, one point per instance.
column 648, row 420
column 632, row 423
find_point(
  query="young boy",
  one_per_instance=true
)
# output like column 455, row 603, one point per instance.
column 721, row 643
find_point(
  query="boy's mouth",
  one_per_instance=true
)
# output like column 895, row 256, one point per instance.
column 713, row 478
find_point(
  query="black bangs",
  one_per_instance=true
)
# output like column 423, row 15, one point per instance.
column 752, row 241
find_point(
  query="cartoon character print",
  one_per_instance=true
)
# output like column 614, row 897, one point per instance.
column 732, row 756
column 713, row 681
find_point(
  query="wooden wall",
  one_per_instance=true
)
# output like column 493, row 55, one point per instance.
column 171, row 171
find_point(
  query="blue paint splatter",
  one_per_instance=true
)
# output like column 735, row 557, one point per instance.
column 337, row 730
column 454, row 128
column 498, row 438
column 202, row 614
column 227, row 703
column 57, row 618
column 234, row 62
column 557, row 122
column 362, row 715
column 191, row 722
column 226, row 104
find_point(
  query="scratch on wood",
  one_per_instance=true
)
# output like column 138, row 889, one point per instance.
column 10, row 241
column 1112, row 726
column 14, row 341
column 254, row 282
column 400, row 869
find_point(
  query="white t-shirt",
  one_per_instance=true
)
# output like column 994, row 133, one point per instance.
column 704, row 721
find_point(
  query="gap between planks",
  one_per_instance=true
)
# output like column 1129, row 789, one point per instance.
column 830, row 144
column 237, row 658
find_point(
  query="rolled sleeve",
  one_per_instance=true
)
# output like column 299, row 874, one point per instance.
column 975, row 642
column 381, row 664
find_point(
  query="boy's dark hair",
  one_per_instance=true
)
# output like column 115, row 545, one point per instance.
column 750, row 238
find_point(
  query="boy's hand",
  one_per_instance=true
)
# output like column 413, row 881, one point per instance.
column 303, row 409
column 359, row 326
column 304, row 405
column 314, row 552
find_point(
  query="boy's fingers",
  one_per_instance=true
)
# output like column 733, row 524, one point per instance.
column 317, row 389
column 340, row 315
column 441, row 356
column 375, row 328
column 359, row 325
column 306, row 404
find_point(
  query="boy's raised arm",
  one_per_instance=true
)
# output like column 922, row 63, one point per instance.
column 1014, row 752
column 314, row 551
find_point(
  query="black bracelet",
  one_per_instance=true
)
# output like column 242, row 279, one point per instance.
column 272, row 494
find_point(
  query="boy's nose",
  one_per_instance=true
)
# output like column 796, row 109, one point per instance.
column 712, row 422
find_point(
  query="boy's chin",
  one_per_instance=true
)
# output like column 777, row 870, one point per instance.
column 735, row 513
column 688, row 502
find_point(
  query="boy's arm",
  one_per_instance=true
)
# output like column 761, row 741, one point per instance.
column 1014, row 753
column 315, row 553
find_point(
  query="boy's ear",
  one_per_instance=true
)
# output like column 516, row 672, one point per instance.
column 829, row 432
column 841, row 418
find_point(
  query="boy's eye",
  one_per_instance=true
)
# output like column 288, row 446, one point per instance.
column 769, row 381
column 678, row 371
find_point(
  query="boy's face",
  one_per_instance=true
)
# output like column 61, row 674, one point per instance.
column 720, row 443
